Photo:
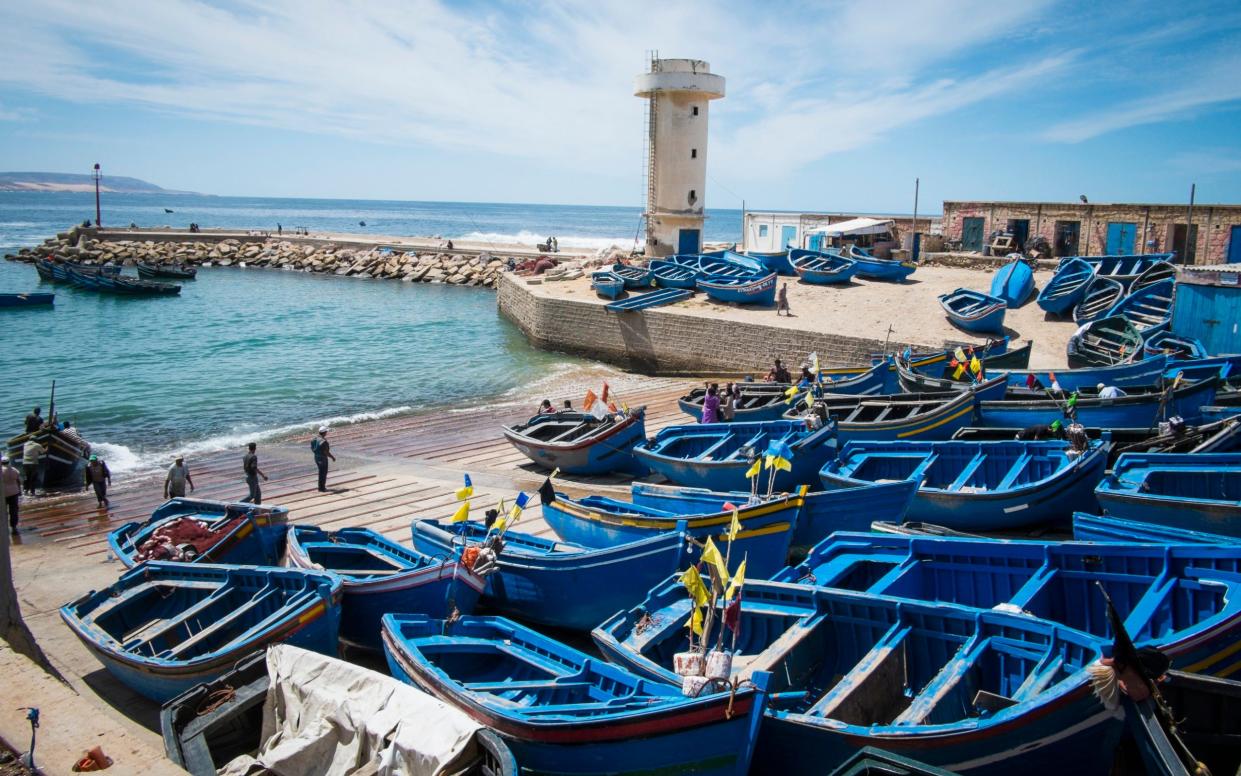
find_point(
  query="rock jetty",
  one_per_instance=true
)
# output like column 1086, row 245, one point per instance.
column 465, row 269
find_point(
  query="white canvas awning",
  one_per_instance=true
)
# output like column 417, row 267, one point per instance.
column 858, row 226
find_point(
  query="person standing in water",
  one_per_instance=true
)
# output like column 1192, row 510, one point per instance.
column 323, row 451
column 250, row 465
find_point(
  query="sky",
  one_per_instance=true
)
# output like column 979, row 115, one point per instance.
column 830, row 106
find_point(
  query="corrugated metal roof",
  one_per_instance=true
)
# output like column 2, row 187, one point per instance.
column 1212, row 268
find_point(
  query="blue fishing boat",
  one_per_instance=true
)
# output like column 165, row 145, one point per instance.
column 1101, row 295
column 1203, row 710
column 545, row 581
column 164, row 627
column 599, row 521
column 26, row 300
column 581, row 443
column 974, row 310
column 382, row 576
column 818, row 268
column 607, row 284
column 149, row 271
column 755, row 264
column 973, row 691
column 1123, row 269
column 779, row 262
column 129, row 286
column 1143, row 373
column 1014, row 282
column 59, row 270
column 1148, row 309
column 192, row 530
column 736, row 266
column 869, row 266
column 822, row 512
column 89, row 282
column 1104, row 342
column 1159, row 271
column 1067, row 287
column 1175, row 346
column 1183, row 600
column 634, row 277
column 978, row 486
column 874, row 381
column 747, row 289
column 667, row 274
column 1192, row 491
column 906, row 416
column 1139, row 408
column 756, row 401
column 870, row 761
column 1107, row 528
column 988, row 349
column 716, row 456
column 562, row 711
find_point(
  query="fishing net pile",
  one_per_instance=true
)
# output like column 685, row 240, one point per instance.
column 184, row 539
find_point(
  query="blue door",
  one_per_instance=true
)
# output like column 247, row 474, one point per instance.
column 1121, row 238
column 689, row 241
column 1210, row 313
column 1234, row 246
column 787, row 235
column 971, row 234
column 816, row 242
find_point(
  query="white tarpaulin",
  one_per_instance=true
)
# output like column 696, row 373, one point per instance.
column 326, row 717
column 858, row 226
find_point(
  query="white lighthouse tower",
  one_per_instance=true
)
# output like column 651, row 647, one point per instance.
column 678, row 91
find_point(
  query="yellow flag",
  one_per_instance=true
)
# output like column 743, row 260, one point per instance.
column 975, row 365
column 694, row 586
column 502, row 519
column 779, row 464
column 734, row 528
column 462, row 514
column 959, row 371
column 738, row 581
column 695, row 621
column 754, row 469
column 712, row 555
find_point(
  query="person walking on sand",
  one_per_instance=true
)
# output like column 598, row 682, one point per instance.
column 782, row 300
column 250, row 465
column 98, row 477
column 178, row 477
column 11, row 484
column 32, row 451
column 323, row 451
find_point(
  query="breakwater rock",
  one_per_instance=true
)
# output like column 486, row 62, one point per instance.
column 467, row 269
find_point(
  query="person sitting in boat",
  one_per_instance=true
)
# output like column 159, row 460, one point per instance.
column 546, row 408
column 779, row 374
column 568, row 406
column 1110, row 392
column 1053, row 430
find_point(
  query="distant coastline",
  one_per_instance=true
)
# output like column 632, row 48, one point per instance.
column 75, row 182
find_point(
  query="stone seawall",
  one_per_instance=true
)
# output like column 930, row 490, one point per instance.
column 662, row 341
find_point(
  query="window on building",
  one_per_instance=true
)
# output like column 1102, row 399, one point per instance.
column 762, row 230
column 1174, row 241
column 695, row 110
column 693, row 153
column 693, row 196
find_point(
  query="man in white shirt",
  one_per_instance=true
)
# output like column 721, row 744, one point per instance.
column 1110, row 392
column 178, row 477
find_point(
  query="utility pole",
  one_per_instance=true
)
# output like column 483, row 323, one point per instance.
column 916, row 182
column 97, row 216
column 1189, row 222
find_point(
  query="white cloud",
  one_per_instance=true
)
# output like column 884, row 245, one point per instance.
column 17, row 114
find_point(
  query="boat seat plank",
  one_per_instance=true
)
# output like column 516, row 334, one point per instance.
column 157, row 628
column 1014, row 471
column 705, row 455
column 850, row 682
column 227, row 619
column 530, row 684
column 967, row 472
column 943, row 682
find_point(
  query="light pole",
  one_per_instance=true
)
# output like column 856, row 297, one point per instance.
column 97, row 224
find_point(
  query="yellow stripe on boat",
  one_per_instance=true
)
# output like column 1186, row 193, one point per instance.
column 1226, row 652
column 314, row 612
column 938, row 423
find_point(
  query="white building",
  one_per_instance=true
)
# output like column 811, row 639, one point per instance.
column 678, row 92
column 773, row 231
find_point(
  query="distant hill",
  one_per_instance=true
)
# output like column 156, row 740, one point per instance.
column 66, row 181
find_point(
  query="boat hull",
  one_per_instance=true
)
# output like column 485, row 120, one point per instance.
column 1014, row 283
column 26, row 300
column 257, row 541
column 1143, row 487
column 64, row 463
column 758, row 290
column 1137, row 411
column 608, row 452
column 974, row 311
column 1067, row 288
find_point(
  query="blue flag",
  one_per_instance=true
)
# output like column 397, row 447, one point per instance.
column 522, row 500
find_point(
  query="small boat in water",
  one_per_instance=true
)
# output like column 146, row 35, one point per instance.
column 667, row 274
column 600, row 521
column 173, row 271
column 757, row 401
column 717, row 456
column 65, row 460
column 818, row 268
column 973, row 691
column 1104, row 342
column 746, row 289
column 1160, row 270
column 978, row 486
column 634, row 277
column 1148, row 309
column 607, row 284
column 1192, row 491
column 1175, row 346
column 1101, row 295
column 191, row 530
column 381, row 576
column 544, row 580
column 1067, row 287
column 58, row 271
column 1014, row 282
column 581, row 443
column 562, row 711
column 974, row 310
column 1183, row 600
column 869, row 266
column 26, row 300
column 164, row 627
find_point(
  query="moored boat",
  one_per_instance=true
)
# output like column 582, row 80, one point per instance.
column 562, row 711
column 667, row 274
column 1014, row 282
column 191, row 530
column 382, row 576
column 717, row 456
column 1148, row 309
column 757, row 401
column 607, row 284
column 974, row 310
column 164, row 627
column 1192, row 491
column 969, row 690
column 1143, row 373
column 746, row 289
column 873, row 381
column 64, row 461
column 555, row 583
column 1108, row 528
column 978, row 486
column 172, row 271
column 1067, row 287
column 779, row 262
column 633, row 277
column 1176, row 346
column 581, row 443
column 1183, row 600
column 59, row 270
column 1100, row 296
column 1122, row 269
column 869, row 266
column 818, row 268
column 1138, row 408
column 1104, row 342
column 26, row 300
column 1160, row 270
